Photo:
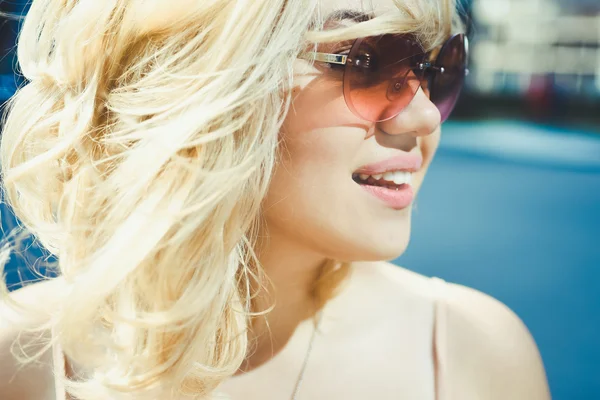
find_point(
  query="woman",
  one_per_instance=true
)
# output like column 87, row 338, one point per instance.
column 222, row 182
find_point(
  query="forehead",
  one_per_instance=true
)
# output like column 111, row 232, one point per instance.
column 374, row 7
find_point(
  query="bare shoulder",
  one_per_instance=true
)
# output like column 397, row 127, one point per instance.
column 489, row 348
column 35, row 380
column 490, row 354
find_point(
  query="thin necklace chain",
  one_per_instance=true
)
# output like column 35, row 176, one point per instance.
column 306, row 357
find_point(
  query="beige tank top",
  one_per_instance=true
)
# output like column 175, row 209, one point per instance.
column 439, row 347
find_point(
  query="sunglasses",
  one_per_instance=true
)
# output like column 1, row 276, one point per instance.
column 382, row 74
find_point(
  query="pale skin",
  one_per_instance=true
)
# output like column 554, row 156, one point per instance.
column 375, row 339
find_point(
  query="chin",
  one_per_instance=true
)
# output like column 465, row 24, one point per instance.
column 383, row 236
column 387, row 253
column 378, row 250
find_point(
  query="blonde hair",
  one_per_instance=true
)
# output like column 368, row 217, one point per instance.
column 139, row 153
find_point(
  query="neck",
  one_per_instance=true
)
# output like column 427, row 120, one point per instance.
column 292, row 271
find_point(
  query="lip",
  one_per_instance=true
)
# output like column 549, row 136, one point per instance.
column 410, row 162
column 396, row 199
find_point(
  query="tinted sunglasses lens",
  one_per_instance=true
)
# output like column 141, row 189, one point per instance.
column 446, row 86
column 381, row 77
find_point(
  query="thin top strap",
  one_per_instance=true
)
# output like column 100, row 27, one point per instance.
column 58, row 360
column 439, row 338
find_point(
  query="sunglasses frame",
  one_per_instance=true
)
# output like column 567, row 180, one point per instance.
column 343, row 59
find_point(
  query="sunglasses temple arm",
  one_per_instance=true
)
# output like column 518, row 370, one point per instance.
column 429, row 66
column 325, row 57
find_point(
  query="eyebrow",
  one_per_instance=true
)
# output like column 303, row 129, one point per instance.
column 353, row 15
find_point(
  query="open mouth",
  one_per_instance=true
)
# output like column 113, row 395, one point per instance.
column 395, row 180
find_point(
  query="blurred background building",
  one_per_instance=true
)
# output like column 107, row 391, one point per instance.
column 511, row 205
column 537, row 59
column 529, row 48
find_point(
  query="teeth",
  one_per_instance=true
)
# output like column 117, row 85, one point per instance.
column 401, row 177
column 398, row 177
column 389, row 176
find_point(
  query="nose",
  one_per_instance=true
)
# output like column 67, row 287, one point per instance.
column 419, row 118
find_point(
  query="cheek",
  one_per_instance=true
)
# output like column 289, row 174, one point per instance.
column 318, row 103
column 317, row 144
column 429, row 145
column 308, row 198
